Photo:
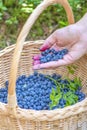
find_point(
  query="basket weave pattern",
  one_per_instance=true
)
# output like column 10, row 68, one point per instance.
column 17, row 60
column 69, row 118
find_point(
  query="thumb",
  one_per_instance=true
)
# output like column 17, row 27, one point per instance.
column 50, row 41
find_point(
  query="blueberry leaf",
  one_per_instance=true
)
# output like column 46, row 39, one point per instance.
column 52, row 97
column 53, row 92
column 58, row 97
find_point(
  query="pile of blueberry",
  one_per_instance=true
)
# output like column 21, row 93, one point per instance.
column 33, row 91
column 52, row 55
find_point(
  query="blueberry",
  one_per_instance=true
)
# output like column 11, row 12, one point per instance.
column 6, row 83
column 33, row 92
column 58, row 76
column 43, row 60
column 65, row 90
column 2, row 89
column 41, row 75
column 54, row 75
column 1, row 100
column 18, row 90
column 21, row 106
column 55, row 107
column 26, row 107
column 65, row 51
column 47, row 100
column 20, row 82
column 77, row 92
column 79, row 97
column 60, row 57
column 48, row 58
column 23, row 76
column 34, row 107
column 79, row 88
column 5, row 101
column 5, row 93
column 47, row 51
column 62, row 106
column 62, row 82
column 43, row 104
column 18, row 87
column 62, row 101
column 53, row 51
column 35, row 73
column 43, row 53
column 66, row 81
column 55, row 58
column 31, row 107
column 83, row 95
column 39, row 108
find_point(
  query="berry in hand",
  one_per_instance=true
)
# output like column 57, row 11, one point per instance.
column 52, row 55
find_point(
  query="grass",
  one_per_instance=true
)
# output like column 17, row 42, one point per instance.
column 13, row 18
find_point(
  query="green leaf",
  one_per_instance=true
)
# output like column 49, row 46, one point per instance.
column 1, row 14
column 27, row 10
column 58, row 89
column 53, row 91
column 58, row 97
column 75, row 97
column 52, row 97
column 56, row 83
column 77, row 81
column 62, row 23
column 71, row 69
column 74, row 67
column 65, row 97
column 68, row 93
column 52, row 105
column 4, row 8
column 72, row 101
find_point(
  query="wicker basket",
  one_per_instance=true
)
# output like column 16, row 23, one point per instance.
column 14, row 118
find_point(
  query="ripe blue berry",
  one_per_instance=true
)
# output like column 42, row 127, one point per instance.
column 6, row 84
column 65, row 51
column 33, row 92
column 52, row 55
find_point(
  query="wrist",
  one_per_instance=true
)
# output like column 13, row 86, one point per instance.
column 82, row 24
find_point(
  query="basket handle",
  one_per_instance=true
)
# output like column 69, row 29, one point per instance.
column 12, row 102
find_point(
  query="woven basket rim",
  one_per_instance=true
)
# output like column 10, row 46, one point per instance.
column 44, row 115
column 11, row 47
column 47, row 115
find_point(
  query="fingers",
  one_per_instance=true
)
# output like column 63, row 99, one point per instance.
column 36, row 62
column 55, row 47
column 67, row 60
column 62, row 37
column 49, row 42
column 76, row 52
column 36, row 57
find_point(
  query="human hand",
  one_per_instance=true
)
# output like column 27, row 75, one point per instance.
column 72, row 37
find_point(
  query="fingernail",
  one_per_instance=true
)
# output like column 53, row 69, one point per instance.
column 36, row 57
column 44, row 48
